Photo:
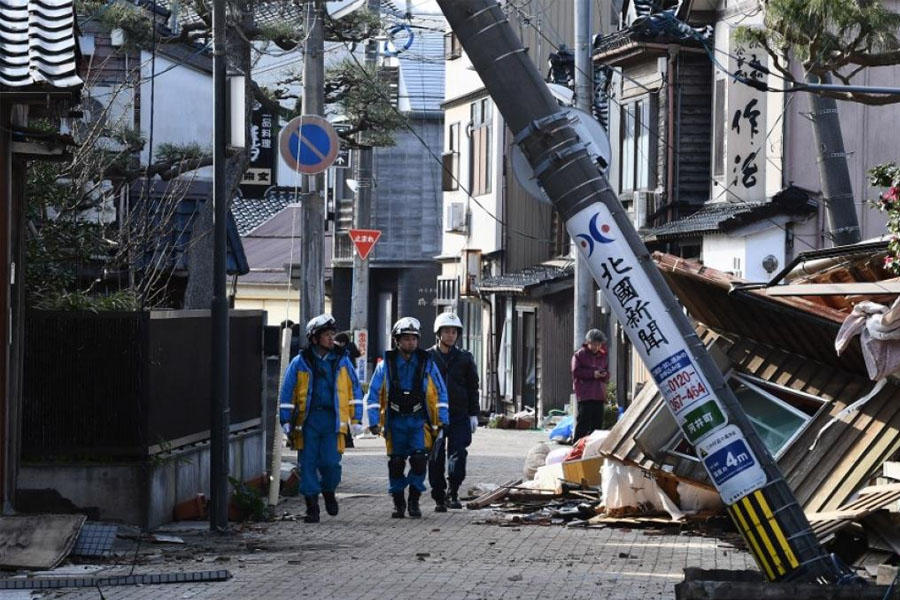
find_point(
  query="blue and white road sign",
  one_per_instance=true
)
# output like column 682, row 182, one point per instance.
column 731, row 464
column 309, row 144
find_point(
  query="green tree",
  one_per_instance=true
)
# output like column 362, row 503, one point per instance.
column 829, row 38
column 69, row 253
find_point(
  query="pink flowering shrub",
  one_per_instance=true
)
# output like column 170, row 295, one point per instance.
column 888, row 176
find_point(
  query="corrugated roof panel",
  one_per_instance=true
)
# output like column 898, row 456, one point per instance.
column 422, row 71
column 37, row 43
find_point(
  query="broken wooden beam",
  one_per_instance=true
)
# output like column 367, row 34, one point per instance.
column 489, row 497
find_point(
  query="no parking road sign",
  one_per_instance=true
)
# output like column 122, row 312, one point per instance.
column 309, row 144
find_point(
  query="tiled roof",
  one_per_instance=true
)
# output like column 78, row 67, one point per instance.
column 722, row 217
column 251, row 213
column 37, row 43
column 523, row 281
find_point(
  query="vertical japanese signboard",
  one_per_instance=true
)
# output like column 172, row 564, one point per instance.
column 637, row 305
column 361, row 339
column 745, row 126
column 259, row 176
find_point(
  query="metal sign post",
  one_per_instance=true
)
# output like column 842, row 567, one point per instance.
column 739, row 465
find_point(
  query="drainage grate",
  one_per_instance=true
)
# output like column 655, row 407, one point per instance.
column 44, row 583
column 95, row 540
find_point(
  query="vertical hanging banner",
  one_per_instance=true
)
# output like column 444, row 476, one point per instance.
column 687, row 392
column 259, row 175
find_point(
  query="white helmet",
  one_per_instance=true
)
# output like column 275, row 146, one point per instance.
column 406, row 325
column 447, row 319
column 319, row 324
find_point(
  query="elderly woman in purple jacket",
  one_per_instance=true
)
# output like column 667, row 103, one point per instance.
column 590, row 373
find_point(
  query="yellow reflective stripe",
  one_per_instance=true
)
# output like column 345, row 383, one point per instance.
column 754, row 519
column 776, row 529
column 748, row 534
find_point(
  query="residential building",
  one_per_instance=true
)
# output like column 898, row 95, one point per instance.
column 34, row 83
column 505, row 258
column 711, row 168
column 406, row 206
column 141, row 90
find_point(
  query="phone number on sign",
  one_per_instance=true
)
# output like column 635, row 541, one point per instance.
column 684, row 388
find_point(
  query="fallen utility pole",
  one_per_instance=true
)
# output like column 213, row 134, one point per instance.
column 312, row 277
column 220, row 415
column 739, row 465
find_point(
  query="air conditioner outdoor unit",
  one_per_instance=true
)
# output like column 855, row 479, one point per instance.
column 456, row 217
column 639, row 208
column 470, row 263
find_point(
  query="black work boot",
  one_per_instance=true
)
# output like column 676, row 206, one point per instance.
column 312, row 509
column 414, row 510
column 331, row 505
column 440, row 500
column 453, row 499
column 399, row 505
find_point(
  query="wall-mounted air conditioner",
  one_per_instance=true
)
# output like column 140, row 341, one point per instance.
column 639, row 207
column 456, row 217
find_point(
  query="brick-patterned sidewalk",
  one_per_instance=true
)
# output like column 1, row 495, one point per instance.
column 363, row 554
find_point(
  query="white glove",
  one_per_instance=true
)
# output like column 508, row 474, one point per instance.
column 356, row 429
column 473, row 423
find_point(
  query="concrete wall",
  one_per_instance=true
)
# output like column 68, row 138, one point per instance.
column 720, row 252
column 182, row 107
column 759, row 245
column 144, row 494
column 484, row 232
column 279, row 301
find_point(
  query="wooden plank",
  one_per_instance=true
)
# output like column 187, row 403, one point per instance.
column 860, row 469
column 880, row 489
column 799, row 462
column 622, row 434
column 788, row 369
column 875, row 437
column 816, row 383
column 489, row 497
column 834, row 515
column 835, row 289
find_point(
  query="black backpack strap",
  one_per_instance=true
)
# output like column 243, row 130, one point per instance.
column 423, row 357
column 310, row 361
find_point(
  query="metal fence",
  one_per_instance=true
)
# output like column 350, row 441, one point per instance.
column 130, row 384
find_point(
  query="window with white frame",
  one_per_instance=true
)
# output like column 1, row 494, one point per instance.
column 637, row 145
column 451, row 159
column 480, row 147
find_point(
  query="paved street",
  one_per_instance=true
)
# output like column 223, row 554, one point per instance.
column 364, row 555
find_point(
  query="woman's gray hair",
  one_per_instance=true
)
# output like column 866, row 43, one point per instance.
column 594, row 335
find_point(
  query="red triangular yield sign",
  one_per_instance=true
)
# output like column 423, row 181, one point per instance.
column 364, row 240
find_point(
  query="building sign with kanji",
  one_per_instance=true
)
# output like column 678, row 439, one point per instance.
column 259, row 175
column 745, row 125
column 361, row 339
column 364, row 240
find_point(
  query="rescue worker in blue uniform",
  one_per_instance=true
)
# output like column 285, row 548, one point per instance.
column 325, row 401
column 460, row 376
column 408, row 400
